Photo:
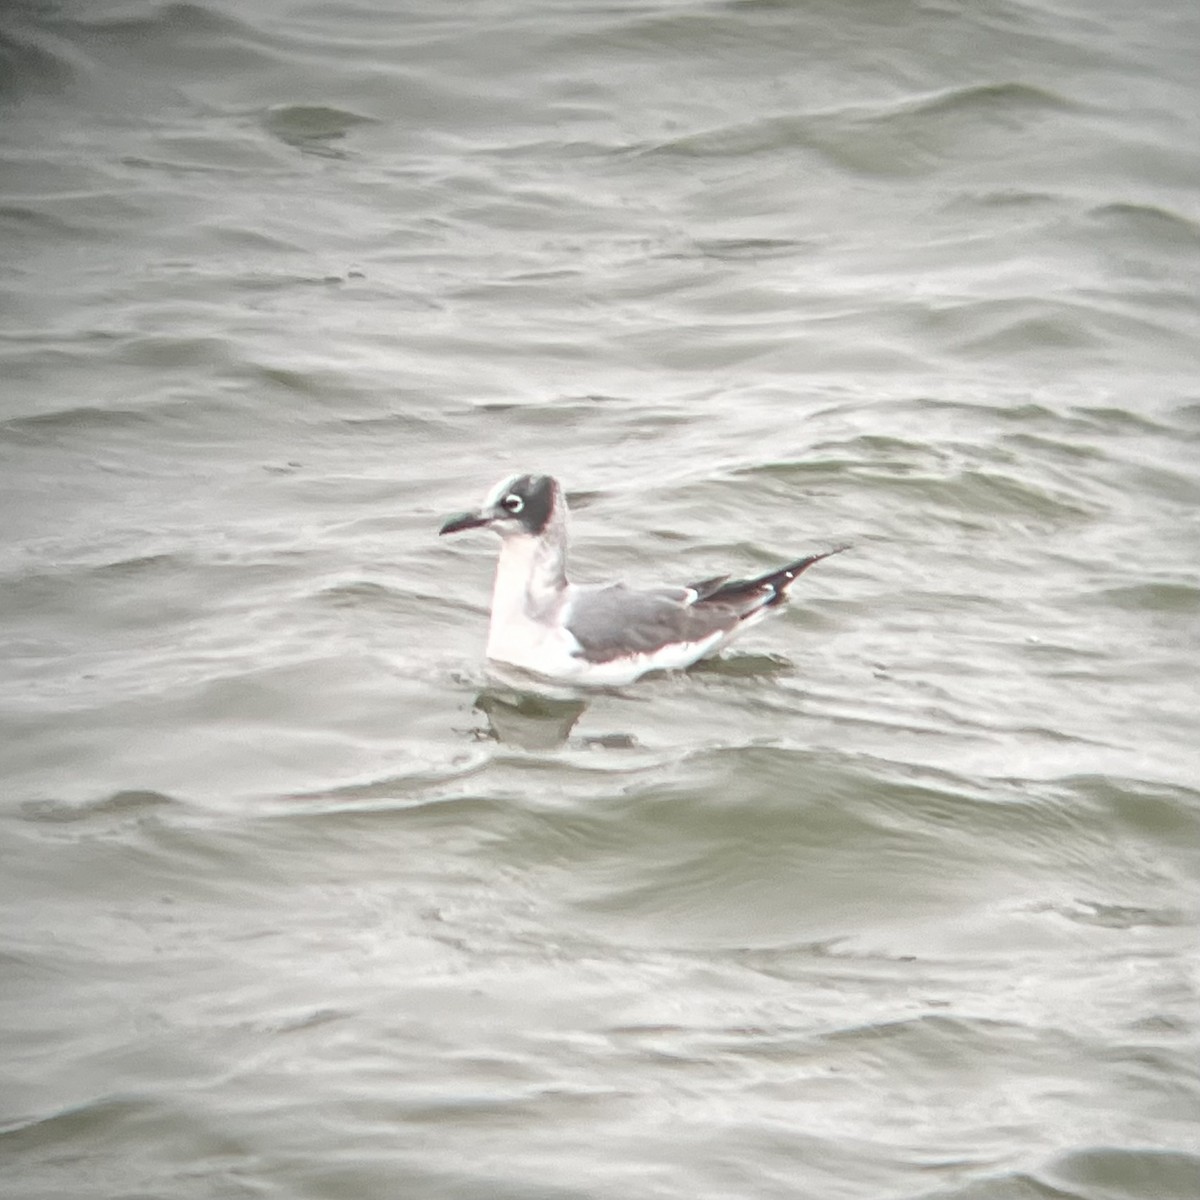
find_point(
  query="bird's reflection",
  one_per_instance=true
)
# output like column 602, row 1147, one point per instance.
column 528, row 719
column 534, row 713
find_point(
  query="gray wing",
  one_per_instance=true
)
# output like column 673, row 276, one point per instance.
column 613, row 620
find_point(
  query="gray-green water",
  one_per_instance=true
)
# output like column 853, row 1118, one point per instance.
column 897, row 901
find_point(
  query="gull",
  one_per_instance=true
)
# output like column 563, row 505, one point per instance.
column 605, row 634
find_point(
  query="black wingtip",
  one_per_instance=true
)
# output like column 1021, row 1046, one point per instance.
column 778, row 581
column 783, row 579
column 793, row 570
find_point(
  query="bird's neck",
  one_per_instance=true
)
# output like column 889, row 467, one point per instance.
column 531, row 576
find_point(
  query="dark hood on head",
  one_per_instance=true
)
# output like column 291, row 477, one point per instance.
column 539, row 492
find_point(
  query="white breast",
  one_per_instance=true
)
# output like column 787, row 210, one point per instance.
column 527, row 602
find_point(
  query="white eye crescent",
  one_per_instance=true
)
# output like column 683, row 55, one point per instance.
column 512, row 503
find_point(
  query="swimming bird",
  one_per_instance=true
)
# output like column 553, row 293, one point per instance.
column 606, row 634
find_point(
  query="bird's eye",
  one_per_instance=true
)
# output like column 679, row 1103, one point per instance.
column 512, row 503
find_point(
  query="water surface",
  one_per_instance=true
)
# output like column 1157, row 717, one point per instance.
column 897, row 900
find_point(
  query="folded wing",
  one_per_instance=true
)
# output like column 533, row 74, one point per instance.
column 615, row 621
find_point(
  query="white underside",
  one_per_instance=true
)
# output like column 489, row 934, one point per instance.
column 557, row 655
